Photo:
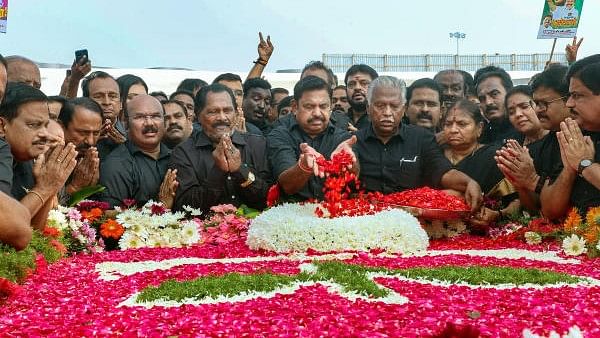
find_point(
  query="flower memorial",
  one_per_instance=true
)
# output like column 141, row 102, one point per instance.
column 494, row 288
column 294, row 227
column 352, row 265
column 339, row 223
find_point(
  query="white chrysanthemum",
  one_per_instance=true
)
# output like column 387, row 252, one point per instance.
column 598, row 245
column 57, row 219
column 190, row 233
column 128, row 217
column 294, row 227
column 153, row 241
column 192, row 211
column 574, row 245
column 139, row 230
column 532, row 237
column 131, row 241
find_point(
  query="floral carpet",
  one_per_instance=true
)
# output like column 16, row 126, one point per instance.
column 95, row 294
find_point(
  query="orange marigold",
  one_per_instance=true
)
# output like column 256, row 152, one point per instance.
column 591, row 234
column 593, row 217
column 92, row 215
column 573, row 221
column 111, row 228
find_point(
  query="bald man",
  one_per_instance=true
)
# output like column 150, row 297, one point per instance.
column 137, row 169
column 21, row 69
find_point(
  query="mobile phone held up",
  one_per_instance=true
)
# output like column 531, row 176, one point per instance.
column 80, row 54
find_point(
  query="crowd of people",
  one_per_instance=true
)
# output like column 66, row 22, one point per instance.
column 504, row 148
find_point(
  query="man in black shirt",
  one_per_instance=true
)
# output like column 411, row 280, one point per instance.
column 217, row 164
column 104, row 89
column 24, row 119
column 293, row 148
column 492, row 83
column 178, row 124
column 578, row 183
column 81, row 121
column 394, row 156
column 136, row 168
column 14, row 225
column 550, row 93
column 357, row 80
column 256, row 105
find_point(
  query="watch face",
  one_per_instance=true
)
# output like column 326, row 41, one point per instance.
column 585, row 163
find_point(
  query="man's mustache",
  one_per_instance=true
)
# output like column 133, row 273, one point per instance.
column 175, row 126
column 424, row 115
column 220, row 124
column 149, row 129
column 491, row 107
column 313, row 119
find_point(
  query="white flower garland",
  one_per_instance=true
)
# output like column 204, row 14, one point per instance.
column 295, row 227
column 548, row 256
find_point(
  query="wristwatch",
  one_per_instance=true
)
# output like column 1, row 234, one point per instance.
column 582, row 165
column 248, row 181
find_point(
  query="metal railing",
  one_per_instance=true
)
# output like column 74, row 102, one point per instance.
column 339, row 63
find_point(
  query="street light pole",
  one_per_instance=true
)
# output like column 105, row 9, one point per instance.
column 457, row 36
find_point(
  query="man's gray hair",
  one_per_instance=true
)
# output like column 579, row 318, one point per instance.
column 387, row 82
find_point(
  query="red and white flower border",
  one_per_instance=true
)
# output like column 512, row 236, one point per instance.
column 70, row 297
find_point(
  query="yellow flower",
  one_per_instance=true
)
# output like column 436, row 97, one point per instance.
column 573, row 221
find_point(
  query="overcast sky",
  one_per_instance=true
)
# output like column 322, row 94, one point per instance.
column 222, row 35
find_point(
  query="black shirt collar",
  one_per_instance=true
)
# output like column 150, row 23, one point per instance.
column 202, row 140
column 133, row 149
column 370, row 132
column 295, row 126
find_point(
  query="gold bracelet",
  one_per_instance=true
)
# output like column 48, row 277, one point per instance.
column 305, row 169
column 36, row 194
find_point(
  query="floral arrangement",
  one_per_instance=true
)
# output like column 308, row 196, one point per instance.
column 294, row 227
column 225, row 224
column 77, row 230
column 446, row 291
column 577, row 235
column 153, row 226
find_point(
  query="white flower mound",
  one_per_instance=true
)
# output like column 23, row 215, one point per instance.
column 295, row 227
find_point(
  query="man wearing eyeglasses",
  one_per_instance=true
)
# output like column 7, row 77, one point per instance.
column 528, row 175
column 137, row 169
column 578, row 181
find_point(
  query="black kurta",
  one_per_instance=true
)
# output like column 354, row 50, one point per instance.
column 203, row 185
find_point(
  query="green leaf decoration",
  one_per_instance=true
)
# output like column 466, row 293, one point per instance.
column 247, row 212
column 84, row 193
column 352, row 278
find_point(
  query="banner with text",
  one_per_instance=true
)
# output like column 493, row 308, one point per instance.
column 560, row 19
column 3, row 15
